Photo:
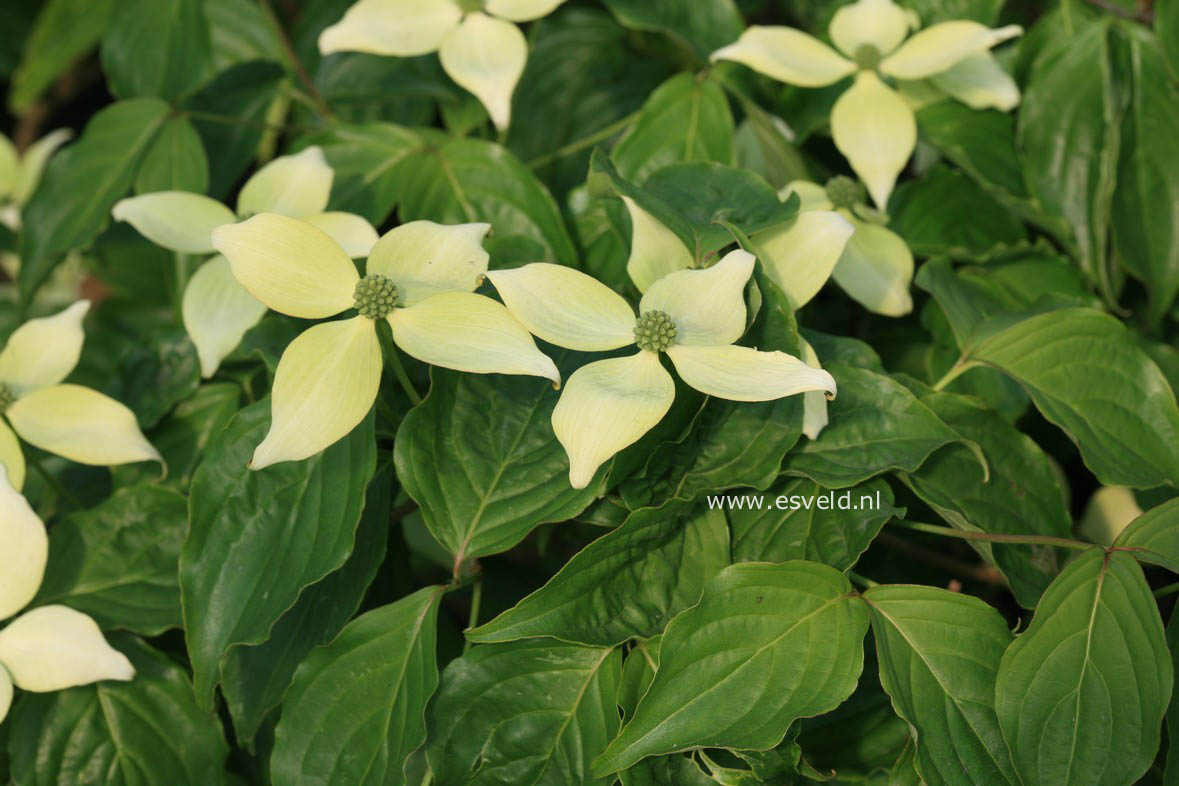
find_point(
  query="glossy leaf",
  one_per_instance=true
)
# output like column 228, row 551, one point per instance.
column 533, row 711
column 176, row 161
column 939, row 652
column 156, row 48
column 627, row 584
column 258, row 538
column 117, row 562
column 480, row 459
column 64, row 31
column 1154, row 536
column 1081, row 694
column 356, row 708
column 704, row 27
column 737, row 669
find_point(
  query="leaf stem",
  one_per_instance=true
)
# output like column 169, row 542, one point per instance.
column 53, row 483
column 956, row 370
column 289, row 50
column 863, row 581
column 1170, row 589
column 473, row 618
column 950, row 532
column 393, row 359
column 581, row 144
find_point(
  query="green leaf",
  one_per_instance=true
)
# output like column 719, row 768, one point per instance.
column 1171, row 774
column 1145, row 217
column 1166, row 26
column 583, row 75
column 706, row 192
column 605, row 181
column 533, row 711
column 356, row 708
column 364, row 88
column 117, row 561
column 1154, row 536
column 479, row 457
column 982, row 144
column 230, row 114
column 812, row 523
column 934, row 11
column 64, row 31
column 876, row 425
column 258, row 538
column 464, row 180
column 685, row 119
column 176, row 161
column 148, row 731
column 703, row 27
column 83, row 182
column 1023, row 495
column 183, row 435
column 1086, row 375
column 256, row 678
column 1069, row 134
column 156, row 48
column 1081, row 695
column 365, row 160
column 627, row 584
column 939, row 652
column 753, row 628
column 945, row 212
column 239, row 33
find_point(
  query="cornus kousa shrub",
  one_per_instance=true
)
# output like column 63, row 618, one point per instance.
column 589, row 393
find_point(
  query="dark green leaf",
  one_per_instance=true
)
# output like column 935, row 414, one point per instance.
column 256, row 678
column 1146, row 202
column 982, row 144
column 812, row 523
column 626, row 584
column 148, row 731
column 176, row 161
column 1069, row 132
column 533, row 711
column 156, row 48
column 1154, row 536
column 933, row 11
column 117, row 562
column 1081, row 695
column 81, row 184
column 875, row 425
column 365, row 160
column 356, row 709
column 239, row 33
column 939, row 652
column 753, row 628
column 945, row 212
column 703, row 27
column 685, row 119
column 1087, row 376
column 1166, row 25
column 258, row 538
column 64, row 31
column 605, row 181
column 480, row 458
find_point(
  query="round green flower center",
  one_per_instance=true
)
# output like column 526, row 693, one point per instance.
column 843, row 192
column 654, row 331
column 868, row 57
column 470, row 6
column 375, row 296
column 7, row 397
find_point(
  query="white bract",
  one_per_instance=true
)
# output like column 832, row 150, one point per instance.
column 476, row 41
column 216, row 310
column 871, row 123
column 72, row 421
column 420, row 278
column 48, row 648
column 693, row 316
column 20, row 173
column 876, row 266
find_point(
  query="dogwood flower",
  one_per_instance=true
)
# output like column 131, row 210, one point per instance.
column 871, row 123
column 72, row 421
column 482, row 52
column 216, row 310
column 876, row 266
column 20, row 174
column 692, row 316
column 52, row 647
column 420, row 278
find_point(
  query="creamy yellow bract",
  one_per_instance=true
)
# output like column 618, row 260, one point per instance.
column 420, row 278
column 476, row 41
column 872, row 124
column 216, row 310
column 20, row 173
column 692, row 316
column 72, row 421
column 51, row 647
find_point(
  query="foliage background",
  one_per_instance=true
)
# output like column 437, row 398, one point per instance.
column 1056, row 223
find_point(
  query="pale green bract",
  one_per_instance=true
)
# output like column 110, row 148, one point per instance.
column 872, row 124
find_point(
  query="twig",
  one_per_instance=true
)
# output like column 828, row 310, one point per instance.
column 950, row 532
column 473, row 618
column 581, row 144
column 289, row 49
column 981, row 573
